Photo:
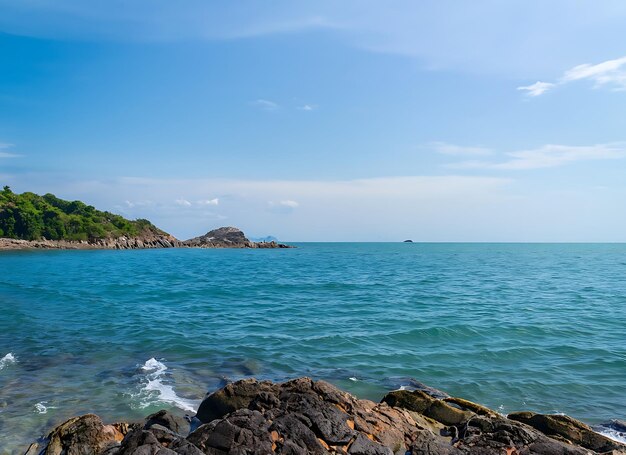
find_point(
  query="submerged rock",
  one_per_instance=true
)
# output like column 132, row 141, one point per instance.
column 303, row 416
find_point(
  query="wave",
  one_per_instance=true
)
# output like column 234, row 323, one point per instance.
column 41, row 407
column 8, row 359
column 155, row 390
column 615, row 430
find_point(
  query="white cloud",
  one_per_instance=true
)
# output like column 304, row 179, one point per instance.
column 214, row 201
column 4, row 146
column 183, row 202
column 536, row 89
column 266, row 105
column 609, row 73
column 547, row 156
column 283, row 206
column 459, row 150
column 307, row 107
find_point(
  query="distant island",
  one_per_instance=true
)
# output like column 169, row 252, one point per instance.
column 29, row 220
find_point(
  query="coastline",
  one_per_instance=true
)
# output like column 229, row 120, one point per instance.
column 303, row 416
column 124, row 243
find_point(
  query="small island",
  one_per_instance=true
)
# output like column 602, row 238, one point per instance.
column 31, row 221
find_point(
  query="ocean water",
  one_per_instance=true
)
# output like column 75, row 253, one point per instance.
column 538, row 327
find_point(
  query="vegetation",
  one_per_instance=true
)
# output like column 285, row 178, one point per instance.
column 29, row 216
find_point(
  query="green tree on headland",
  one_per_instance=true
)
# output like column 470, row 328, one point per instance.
column 29, row 216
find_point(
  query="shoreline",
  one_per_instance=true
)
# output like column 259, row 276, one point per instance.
column 303, row 416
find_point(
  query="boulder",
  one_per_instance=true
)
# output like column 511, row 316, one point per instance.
column 570, row 429
column 168, row 420
column 84, row 435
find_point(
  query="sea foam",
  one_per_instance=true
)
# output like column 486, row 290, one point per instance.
column 7, row 360
column 154, row 388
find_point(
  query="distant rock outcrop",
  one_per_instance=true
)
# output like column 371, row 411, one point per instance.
column 228, row 237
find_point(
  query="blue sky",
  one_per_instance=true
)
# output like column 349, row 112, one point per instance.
column 354, row 120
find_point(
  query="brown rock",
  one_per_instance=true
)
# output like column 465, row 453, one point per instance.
column 84, row 435
column 568, row 428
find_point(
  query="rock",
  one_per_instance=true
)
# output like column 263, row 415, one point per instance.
column 422, row 403
column 568, row 428
column 228, row 237
column 233, row 396
column 473, row 407
column 84, row 435
column 224, row 235
column 303, row 416
column 166, row 419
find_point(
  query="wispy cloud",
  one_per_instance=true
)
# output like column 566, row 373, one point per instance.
column 610, row 73
column 214, row 201
column 307, row 107
column 548, row 156
column 266, row 105
column 458, row 150
column 4, row 154
column 536, row 89
column 289, row 203
column 283, row 206
column 183, row 202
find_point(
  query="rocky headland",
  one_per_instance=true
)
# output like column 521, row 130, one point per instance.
column 303, row 416
column 224, row 237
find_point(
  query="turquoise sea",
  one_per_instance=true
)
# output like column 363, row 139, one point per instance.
column 537, row 327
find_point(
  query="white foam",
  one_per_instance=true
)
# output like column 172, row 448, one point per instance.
column 156, row 390
column 612, row 434
column 353, row 379
column 41, row 408
column 8, row 359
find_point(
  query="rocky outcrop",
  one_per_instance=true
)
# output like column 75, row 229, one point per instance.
column 303, row 416
column 121, row 243
column 225, row 237
column 228, row 237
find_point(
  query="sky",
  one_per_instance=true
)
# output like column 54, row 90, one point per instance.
column 433, row 120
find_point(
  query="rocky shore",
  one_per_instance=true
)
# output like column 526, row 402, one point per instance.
column 224, row 237
column 303, row 416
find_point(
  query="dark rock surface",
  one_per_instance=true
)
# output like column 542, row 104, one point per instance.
column 303, row 416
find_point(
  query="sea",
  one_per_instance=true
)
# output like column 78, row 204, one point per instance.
column 539, row 327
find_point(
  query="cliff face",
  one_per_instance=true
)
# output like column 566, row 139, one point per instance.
column 303, row 416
